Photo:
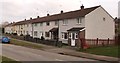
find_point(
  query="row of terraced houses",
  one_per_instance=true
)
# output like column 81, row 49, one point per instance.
column 69, row 27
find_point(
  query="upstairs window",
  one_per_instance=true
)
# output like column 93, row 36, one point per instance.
column 79, row 20
column 56, row 23
column 35, row 24
column 65, row 22
column 27, row 25
column 41, row 24
column 48, row 23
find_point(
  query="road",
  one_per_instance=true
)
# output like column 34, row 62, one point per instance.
column 20, row 53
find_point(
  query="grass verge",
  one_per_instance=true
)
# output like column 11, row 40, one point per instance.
column 105, row 51
column 25, row 44
column 8, row 60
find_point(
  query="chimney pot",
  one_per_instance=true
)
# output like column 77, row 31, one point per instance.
column 30, row 18
column 61, row 11
column 25, row 19
column 38, row 17
column 48, row 14
column 82, row 7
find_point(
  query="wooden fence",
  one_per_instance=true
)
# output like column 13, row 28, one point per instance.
column 99, row 42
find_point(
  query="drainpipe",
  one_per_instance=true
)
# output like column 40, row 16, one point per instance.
column 58, row 31
column 32, row 29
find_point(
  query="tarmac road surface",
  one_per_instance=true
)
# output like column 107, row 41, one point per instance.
column 20, row 53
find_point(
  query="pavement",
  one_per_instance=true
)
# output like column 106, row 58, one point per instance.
column 71, row 51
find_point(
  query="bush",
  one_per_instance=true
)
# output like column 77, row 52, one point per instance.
column 14, row 33
column 21, row 34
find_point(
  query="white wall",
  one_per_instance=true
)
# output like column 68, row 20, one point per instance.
column 44, row 29
column 96, row 27
column 8, row 29
column 71, row 23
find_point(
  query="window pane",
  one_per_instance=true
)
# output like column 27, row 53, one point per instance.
column 79, row 20
column 35, row 33
column 65, row 35
column 47, row 34
column 56, row 23
column 41, row 24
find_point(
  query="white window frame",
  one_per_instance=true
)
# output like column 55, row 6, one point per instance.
column 56, row 23
column 79, row 20
column 36, row 33
column 77, row 35
column 48, row 34
column 41, row 24
column 63, row 35
column 35, row 24
column 65, row 22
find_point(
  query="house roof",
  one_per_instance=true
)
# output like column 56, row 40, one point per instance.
column 67, row 15
column 76, row 29
column 23, row 22
column 11, row 24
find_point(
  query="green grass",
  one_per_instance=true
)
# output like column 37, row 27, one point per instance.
column 25, row 44
column 106, row 51
column 8, row 60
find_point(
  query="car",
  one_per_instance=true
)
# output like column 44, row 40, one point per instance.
column 5, row 39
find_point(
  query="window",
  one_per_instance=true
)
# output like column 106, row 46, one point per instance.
column 76, row 35
column 79, row 20
column 27, row 32
column 35, row 33
column 65, row 22
column 35, row 24
column 21, row 32
column 24, row 31
column 56, row 23
column 41, row 24
column 47, row 23
column 47, row 34
column 64, row 35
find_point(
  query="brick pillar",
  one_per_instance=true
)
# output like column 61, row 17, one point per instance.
column 82, row 42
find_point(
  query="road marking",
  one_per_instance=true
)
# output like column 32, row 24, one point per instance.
column 59, row 60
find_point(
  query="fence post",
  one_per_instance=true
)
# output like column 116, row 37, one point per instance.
column 97, row 41
column 108, row 41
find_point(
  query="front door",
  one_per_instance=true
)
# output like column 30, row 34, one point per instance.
column 72, row 39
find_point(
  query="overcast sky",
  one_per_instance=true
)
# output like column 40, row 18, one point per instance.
column 18, row 10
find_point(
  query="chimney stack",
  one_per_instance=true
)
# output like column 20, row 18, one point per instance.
column 82, row 7
column 61, row 11
column 25, row 19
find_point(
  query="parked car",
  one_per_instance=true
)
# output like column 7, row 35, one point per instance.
column 5, row 39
